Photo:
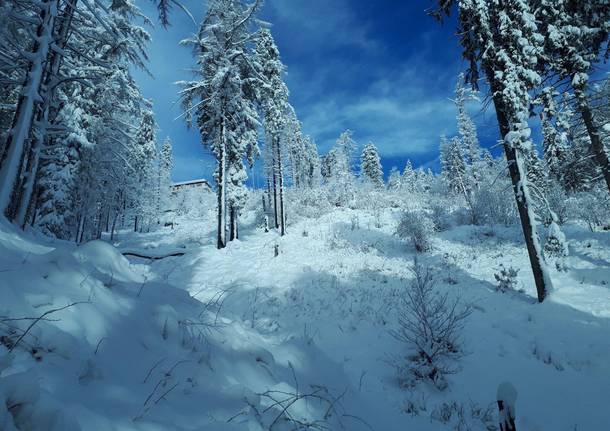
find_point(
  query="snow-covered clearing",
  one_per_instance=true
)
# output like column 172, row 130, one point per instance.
column 217, row 340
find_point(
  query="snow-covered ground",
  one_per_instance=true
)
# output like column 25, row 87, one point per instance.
column 240, row 339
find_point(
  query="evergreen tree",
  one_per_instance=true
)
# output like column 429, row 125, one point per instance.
column 142, row 162
column 408, row 177
column 346, row 147
column 166, row 164
column 370, row 165
column 454, row 169
column 394, row 179
column 329, row 162
column 340, row 179
column 504, row 39
column 576, row 36
column 468, row 131
column 223, row 100
column 105, row 35
column 276, row 111
column 313, row 163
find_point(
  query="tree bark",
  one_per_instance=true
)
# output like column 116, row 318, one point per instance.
column 280, row 175
column 597, row 145
column 81, row 230
column 114, row 220
column 518, row 178
column 43, row 116
column 221, row 192
column 12, row 156
column 275, row 209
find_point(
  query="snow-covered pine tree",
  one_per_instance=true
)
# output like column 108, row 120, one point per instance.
column 408, row 177
column 222, row 100
column 55, row 206
column 313, row 163
column 576, row 36
column 14, row 148
column 555, row 125
column 298, row 151
column 453, row 168
column 443, row 152
column 394, row 179
column 276, row 110
column 468, row 132
column 346, row 145
column 370, row 165
column 329, row 161
column 166, row 164
column 341, row 177
column 142, row 163
column 504, row 39
column 105, row 34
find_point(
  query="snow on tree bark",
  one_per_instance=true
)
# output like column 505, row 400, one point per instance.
column 13, row 152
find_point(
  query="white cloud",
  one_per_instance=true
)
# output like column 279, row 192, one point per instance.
column 402, row 113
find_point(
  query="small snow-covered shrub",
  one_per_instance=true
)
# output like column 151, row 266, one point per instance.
column 493, row 206
column 431, row 324
column 340, row 191
column 416, row 404
column 555, row 245
column 416, row 228
column 284, row 407
column 465, row 418
column 506, row 279
column 306, row 203
column 440, row 216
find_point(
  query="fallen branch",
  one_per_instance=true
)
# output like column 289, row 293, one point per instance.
column 133, row 254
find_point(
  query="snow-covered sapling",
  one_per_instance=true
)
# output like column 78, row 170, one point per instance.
column 506, row 279
column 507, row 396
column 431, row 324
column 440, row 216
column 465, row 417
column 556, row 246
column 416, row 228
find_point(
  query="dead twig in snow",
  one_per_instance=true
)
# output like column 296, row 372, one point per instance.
column 41, row 317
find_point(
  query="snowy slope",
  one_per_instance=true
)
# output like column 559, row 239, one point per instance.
column 210, row 339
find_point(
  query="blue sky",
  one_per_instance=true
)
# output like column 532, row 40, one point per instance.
column 383, row 69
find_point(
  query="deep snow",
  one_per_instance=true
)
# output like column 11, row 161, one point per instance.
column 208, row 339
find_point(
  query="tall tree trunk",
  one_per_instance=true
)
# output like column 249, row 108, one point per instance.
column 33, row 211
column 516, row 164
column 123, row 213
column 597, row 145
column 280, row 175
column 233, row 232
column 268, row 191
column 275, row 200
column 82, row 230
column 78, row 218
column 222, row 193
column 100, row 223
column 114, row 220
column 44, row 117
column 107, row 222
column 14, row 147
